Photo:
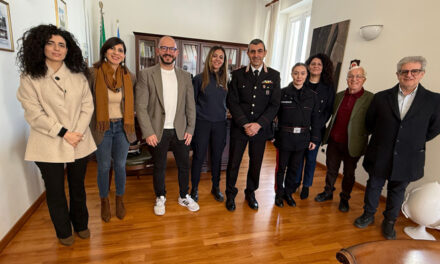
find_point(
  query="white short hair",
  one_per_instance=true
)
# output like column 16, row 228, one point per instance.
column 357, row 67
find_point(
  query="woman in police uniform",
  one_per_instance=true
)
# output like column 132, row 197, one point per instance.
column 319, row 80
column 298, row 130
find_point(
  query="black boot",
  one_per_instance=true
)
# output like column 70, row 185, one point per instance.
column 195, row 194
column 218, row 196
column 321, row 197
column 279, row 200
column 230, row 203
column 343, row 205
column 388, row 229
column 304, row 193
column 252, row 202
column 364, row 220
column 289, row 200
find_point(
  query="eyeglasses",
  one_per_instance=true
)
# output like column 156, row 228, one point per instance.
column 355, row 77
column 165, row 49
column 413, row 72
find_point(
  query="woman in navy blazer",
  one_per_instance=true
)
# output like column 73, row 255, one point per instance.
column 210, row 96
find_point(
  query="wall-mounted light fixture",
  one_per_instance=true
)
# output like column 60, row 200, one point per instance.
column 370, row 32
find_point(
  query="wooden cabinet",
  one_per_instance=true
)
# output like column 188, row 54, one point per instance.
column 192, row 52
column 145, row 53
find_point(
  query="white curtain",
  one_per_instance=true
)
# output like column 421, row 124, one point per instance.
column 270, row 29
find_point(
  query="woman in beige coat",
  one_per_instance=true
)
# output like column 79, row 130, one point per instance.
column 58, row 106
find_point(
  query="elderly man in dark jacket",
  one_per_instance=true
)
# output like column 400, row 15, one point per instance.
column 401, row 119
column 346, row 136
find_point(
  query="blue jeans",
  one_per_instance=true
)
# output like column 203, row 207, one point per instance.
column 114, row 146
column 309, row 167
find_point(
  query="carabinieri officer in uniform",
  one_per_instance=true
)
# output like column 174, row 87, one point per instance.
column 298, row 130
column 253, row 100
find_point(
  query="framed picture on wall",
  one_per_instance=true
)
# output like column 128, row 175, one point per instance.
column 61, row 13
column 6, row 40
column 330, row 40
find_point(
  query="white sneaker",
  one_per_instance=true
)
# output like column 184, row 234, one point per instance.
column 189, row 203
column 159, row 207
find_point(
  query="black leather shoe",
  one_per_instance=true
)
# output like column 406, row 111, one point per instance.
column 289, row 200
column 279, row 200
column 388, row 229
column 218, row 196
column 343, row 205
column 364, row 220
column 230, row 204
column 304, row 193
column 321, row 197
column 252, row 202
column 195, row 195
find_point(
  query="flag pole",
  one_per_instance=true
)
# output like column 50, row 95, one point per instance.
column 102, row 28
column 117, row 29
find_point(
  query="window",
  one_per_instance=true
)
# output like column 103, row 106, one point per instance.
column 295, row 45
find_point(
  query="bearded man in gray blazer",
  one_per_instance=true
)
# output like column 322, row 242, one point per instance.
column 166, row 113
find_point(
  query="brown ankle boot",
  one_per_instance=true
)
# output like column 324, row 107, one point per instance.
column 68, row 241
column 105, row 209
column 120, row 209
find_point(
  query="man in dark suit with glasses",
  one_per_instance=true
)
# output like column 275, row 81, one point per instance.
column 401, row 120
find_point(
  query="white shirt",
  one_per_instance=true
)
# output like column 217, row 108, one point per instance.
column 259, row 69
column 405, row 101
column 169, row 84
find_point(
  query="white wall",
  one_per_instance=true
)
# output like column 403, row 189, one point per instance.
column 410, row 28
column 20, row 182
column 226, row 20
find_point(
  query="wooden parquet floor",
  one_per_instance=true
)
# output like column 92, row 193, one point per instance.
column 310, row 233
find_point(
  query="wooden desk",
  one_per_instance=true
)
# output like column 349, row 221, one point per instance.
column 391, row 251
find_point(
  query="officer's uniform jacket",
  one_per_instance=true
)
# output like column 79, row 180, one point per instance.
column 253, row 99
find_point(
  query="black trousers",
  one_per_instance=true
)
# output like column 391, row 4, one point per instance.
column 181, row 155
column 212, row 134
column 395, row 196
column 284, row 182
column 62, row 216
column 337, row 153
column 237, row 147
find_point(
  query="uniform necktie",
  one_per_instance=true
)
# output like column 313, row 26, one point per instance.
column 256, row 73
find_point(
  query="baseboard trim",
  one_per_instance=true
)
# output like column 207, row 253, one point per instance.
column 20, row 223
column 356, row 184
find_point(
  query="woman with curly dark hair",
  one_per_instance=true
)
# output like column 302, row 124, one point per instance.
column 320, row 81
column 113, row 120
column 58, row 106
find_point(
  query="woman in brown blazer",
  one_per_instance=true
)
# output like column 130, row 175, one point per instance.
column 58, row 106
column 113, row 120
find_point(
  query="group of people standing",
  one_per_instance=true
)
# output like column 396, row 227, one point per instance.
column 74, row 111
